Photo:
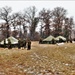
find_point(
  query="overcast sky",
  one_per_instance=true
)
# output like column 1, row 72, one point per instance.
column 19, row 5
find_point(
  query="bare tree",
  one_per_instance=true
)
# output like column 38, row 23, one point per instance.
column 14, row 33
column 22, row 23
column 41, row 30
column 19, row 21
column 5, row 15
column 59, row 15
column 3, row 31
column 14, row 20
column 45, row 16
column 10, row 19
column 68, row 27
column 31, row 18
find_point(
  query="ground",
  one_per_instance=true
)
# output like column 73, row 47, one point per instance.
column 42, row 59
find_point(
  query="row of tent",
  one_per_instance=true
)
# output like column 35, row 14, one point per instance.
column 51, row 38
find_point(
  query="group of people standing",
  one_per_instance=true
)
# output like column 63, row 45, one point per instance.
column 24, row 44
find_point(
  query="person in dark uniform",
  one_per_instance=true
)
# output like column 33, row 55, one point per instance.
column 71, row 40
column 9, row 44
column 29, row 45
column 67, row 40
column 53, row 41
column 19, row 43
column 24, row 43
column 4, row 43
column 40, row 41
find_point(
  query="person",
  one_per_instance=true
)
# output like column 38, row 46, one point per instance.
column 40, row 41
column 4, row 43
column 60, row 40
column 29, row 45
column 19, row 43
column 53, row 41
column 70, row 40
column 24, row 43
column 9, row 44
column 67, row 40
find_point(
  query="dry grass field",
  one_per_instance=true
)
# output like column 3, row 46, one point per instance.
column 42, row 59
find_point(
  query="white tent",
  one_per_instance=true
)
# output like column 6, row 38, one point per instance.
column 11, row 38
column 49, row 38
column 61, row 37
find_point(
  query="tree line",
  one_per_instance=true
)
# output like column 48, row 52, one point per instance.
column 24, row 24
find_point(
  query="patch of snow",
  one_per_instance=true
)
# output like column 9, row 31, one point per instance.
column 66, row 64
column 73, row 41
column 60, row 44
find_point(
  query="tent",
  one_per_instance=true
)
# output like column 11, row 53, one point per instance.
column 61, row 38
column 49, row 39
column 13, row 40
